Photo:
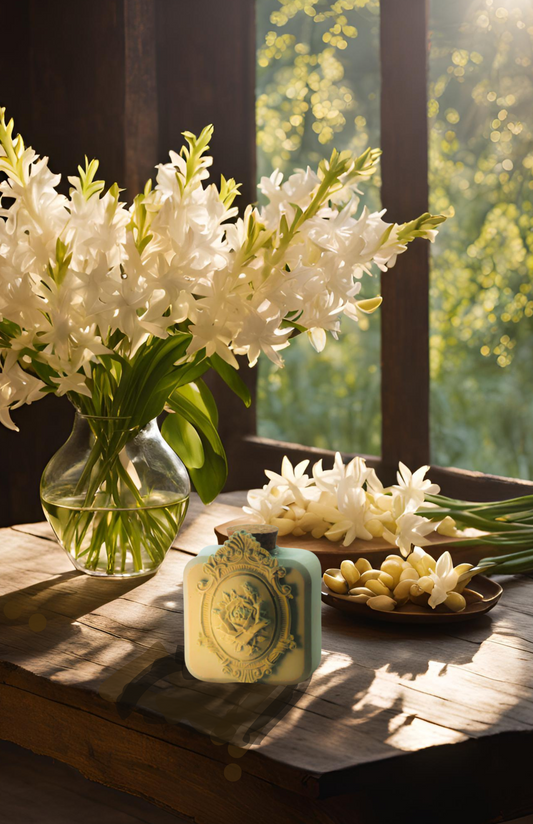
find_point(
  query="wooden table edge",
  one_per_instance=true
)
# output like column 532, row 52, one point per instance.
column 257, row 765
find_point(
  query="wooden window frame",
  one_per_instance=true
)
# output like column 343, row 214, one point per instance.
column 122, row 87
column 405, row 374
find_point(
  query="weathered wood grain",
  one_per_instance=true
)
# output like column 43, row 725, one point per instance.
column 60, row 795
column 92, row 673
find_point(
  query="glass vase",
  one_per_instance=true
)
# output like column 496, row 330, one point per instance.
column 115, row 496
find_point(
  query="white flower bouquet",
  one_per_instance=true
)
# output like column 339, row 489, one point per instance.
column 124, row 309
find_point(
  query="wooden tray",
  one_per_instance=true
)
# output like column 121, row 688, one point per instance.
column 481, row 597
column 331, row 554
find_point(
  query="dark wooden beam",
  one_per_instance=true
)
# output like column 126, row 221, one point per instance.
column 405, row 312
column 265, row 453
column 259, row 454
column 206, row 74
column 77, row 92
column 475, row 486
column 141, row 124
column 93, row 87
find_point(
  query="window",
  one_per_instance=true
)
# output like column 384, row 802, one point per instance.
column 311, row 57
column 480, row 169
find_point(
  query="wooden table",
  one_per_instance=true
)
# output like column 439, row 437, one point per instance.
column 397, row 724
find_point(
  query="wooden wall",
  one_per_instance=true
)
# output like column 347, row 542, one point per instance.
column 120, row 80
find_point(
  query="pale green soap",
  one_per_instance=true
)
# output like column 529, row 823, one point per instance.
column 246, row 621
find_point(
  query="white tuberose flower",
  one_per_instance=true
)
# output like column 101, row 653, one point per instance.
column 293, row 478
column 269, row 505
column 412, row 487
column 16, row 388
column 85, row 273
column 354, row 509
column 411, row 530
column 445, row 580
column 328, row 480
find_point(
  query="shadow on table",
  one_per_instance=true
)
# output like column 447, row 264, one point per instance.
column 160, row 686
column 151, row 680
column 65, row 597
column 372, row 674
column 361, row 684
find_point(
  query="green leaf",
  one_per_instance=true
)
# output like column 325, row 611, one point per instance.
column 208, row 400
column 90, row 186
column 151, row 377
column 192, row 371
column 231, row 377
column 45, row 372
column 9, row 329
column 199, row 394
column 184, row 440
column 209, row 479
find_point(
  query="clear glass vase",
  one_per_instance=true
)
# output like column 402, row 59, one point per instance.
column 115, row 497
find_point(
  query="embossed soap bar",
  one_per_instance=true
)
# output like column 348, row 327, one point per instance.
column 252, row 610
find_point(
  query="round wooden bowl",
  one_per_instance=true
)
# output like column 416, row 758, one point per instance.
column 331, row 554
column 482, row 595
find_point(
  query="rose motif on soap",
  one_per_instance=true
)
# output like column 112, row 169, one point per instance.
column 242, row 617
column 240, row 614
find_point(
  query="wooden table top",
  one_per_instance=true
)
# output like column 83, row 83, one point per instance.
column 92, row 673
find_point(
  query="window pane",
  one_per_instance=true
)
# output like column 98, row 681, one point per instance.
column 318, row 89
column 481, row 161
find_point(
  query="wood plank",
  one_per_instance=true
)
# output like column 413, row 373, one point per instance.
column 60, row 795
column 404, row 191
column 267, row 453
column 385, row 701
column 477, row 486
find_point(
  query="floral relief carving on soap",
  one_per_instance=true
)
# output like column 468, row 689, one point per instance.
column 243, row 618
column 245, row 614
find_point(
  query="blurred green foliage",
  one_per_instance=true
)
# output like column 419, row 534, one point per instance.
column 318, row 86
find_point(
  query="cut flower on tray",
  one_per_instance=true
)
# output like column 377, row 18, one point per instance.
column 345, row 503
column 348, row 502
